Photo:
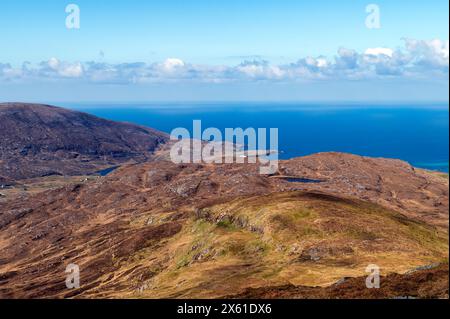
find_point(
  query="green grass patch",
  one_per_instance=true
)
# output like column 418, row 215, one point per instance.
column 226, row 224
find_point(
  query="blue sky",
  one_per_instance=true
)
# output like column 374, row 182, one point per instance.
column 223, row 50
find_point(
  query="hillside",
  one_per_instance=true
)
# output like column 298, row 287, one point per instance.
column 187, row 231
column 41, row 140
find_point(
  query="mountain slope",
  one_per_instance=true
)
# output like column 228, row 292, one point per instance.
column 423, row 282
column 159, row 229
column 39, row 140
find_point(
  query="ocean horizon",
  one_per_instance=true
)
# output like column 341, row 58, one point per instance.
column 417, row 134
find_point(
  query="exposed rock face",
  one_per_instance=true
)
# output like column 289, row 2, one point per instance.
column 40, row 140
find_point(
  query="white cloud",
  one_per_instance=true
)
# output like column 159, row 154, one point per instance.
column 172, row 64
column 53, row 63
column 258, row 70
column 347, row 59
column 55, row 68
column 72, row 70
column 433, row 53
column 321, row 62
column 379, row 51
column 418, row 58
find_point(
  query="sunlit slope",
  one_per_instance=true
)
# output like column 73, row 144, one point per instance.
column 298, row 238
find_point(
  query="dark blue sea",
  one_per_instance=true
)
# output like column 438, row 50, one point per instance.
column 418, row 134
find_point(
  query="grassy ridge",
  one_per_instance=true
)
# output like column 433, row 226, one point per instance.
column 295, row 237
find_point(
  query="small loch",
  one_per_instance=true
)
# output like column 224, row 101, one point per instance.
column 107, row 171
column 303, row 180
column 298, row 179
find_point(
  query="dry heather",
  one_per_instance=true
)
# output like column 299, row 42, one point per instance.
column 186, row 231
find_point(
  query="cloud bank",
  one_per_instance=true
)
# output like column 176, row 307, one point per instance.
column 417, row 59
